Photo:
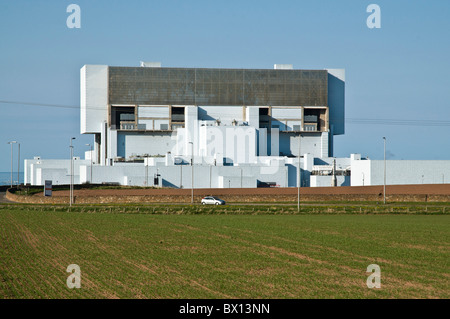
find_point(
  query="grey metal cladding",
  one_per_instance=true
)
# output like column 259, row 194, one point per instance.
column 192, row 86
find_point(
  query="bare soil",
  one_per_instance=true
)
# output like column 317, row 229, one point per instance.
column 431, row 189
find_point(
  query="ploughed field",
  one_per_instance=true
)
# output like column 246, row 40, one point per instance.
column 150, row 254
column 91, row 194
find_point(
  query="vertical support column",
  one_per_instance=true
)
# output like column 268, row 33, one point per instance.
column 191, row 124
column 324, row 144
column 112, row 144
column 103, row 141
column 274, row 142
column 262, row 141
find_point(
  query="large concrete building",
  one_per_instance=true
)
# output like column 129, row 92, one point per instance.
column 184, row 127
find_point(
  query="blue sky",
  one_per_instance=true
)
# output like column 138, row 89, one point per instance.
column 398, row 72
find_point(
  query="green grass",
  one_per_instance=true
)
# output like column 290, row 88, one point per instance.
column 136, row 252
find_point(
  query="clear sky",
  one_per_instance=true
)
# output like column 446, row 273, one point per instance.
column 397, row 77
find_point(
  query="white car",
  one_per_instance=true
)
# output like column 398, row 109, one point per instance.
column 212, row 201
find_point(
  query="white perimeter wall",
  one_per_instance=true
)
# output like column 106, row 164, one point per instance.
column 399, row 172
column 180, row 176
column 58, row 171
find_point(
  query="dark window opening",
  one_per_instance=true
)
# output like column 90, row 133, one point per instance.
column 264, row 118
column 122, row 117
column 177, row 117
column 314, row 119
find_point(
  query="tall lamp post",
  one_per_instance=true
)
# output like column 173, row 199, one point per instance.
column 181, row 173
column 384, row 185
column 146, row 170
column 11, row 143
column 71, row 171
column 18, row 166
column 90, row 149
column 299, row 174
column 192, row 171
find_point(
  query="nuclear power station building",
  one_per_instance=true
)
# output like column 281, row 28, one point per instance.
column 210, row 128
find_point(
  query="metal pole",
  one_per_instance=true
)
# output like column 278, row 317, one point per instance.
column 146, row 171
column 71, row 172
column 192, row 171
column 241, row 177
column 299, row 174
column 92, row 155
column 90, row 149
column 18, row 168
column 11, row 163
column 11, row 143
column 384, row 186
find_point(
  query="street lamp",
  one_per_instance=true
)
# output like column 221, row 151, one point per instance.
column 146, row 170
column 181, row 172
column 71, row 171
column 192, row 170
column 241, row 177
column 12, row 142
column 18, row 166
column 90, row 149
column 299, row 174
column 384, row 186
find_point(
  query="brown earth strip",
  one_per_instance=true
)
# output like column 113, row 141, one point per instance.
column 413, row 193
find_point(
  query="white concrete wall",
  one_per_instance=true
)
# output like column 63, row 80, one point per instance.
column 180, row 176
column 191, row 130
column 151, row 143
column 281, row 170
column 360, row 175
column 37, row 171
column 326, row 181
column 153, row 111
column 112, row 144
column 226, row 114
column 409, row 172
column 93, row 97
column 336, row 100
column 158, row 114
column 400, row 172
column 293, row 113
column 252, row 116
column 286, row 117
column 148, row 124
column 311, row 143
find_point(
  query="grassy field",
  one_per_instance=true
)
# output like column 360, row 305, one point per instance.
column 151, row 252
